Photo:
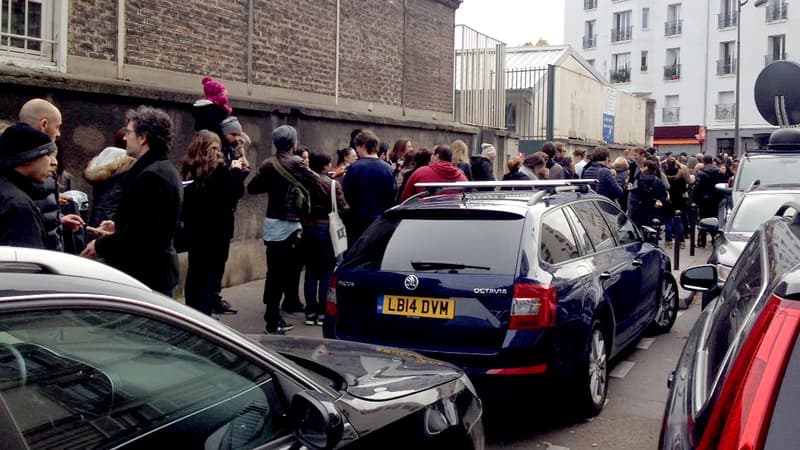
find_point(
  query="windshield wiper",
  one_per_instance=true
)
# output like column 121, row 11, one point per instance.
column 435, row 265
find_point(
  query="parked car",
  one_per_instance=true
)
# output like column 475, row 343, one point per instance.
column 507, row 284
column 91, row 358
column 754, row 208
column 735, row 383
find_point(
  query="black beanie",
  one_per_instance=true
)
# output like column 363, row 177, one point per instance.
column 21, row 143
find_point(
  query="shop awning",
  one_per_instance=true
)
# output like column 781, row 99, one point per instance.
column 677, row 141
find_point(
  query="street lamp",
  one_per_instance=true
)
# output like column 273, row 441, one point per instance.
column 740, row 3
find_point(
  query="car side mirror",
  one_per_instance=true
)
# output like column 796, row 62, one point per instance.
column 318, row 424
column 710, row 224
column 650, row 235
column 700, row 278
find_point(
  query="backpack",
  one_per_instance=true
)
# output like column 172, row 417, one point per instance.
column 297, row 195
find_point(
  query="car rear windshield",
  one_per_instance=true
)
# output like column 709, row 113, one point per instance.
column 775, row 169
column 460, row 242
column 756, row 209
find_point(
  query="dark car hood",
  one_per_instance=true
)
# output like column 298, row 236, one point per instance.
column 370, row 372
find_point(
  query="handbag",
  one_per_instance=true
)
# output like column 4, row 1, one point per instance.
column 336, row 227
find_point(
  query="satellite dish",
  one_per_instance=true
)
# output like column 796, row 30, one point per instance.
column 777, row 93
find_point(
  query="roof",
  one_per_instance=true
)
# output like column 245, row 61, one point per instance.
column 519, row 58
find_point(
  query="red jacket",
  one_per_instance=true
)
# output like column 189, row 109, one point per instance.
column 439, row 172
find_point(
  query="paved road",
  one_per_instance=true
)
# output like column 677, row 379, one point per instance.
column 630, row 420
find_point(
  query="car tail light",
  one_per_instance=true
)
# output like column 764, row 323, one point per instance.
column 331, row 309
column 533, row 306
column 743, row 411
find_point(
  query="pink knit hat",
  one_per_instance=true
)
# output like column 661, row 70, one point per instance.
column 216, row 93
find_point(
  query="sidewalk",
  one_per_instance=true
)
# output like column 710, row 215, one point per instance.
column 247, row 299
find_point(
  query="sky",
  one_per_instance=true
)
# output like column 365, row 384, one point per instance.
column 515, row 22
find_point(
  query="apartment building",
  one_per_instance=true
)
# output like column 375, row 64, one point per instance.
column 682, row 54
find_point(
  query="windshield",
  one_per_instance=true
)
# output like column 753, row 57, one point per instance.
column 775, row 169
column 756, row 209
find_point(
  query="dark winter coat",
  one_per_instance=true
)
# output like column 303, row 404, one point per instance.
column 280, row 205
column 105, row 174
column 21, row 222
column 642, row 202
column 46, row 198
column 209, row 116
column 464, row 166
column 606, row 184
column 369, row 188
column 482, row 169
column 146, row 220
column 321, row 200
column 208, row 208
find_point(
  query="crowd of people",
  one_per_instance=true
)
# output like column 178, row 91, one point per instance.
column 145, row 210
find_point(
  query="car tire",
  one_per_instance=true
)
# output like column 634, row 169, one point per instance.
column 667, row 308
column 591, row 382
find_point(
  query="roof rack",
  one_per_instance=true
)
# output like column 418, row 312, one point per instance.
column 542, row 187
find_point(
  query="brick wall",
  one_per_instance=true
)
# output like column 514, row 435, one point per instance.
column 294, row 45
column 93, row 29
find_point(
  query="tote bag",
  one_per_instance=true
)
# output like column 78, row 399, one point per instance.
column 336, row 226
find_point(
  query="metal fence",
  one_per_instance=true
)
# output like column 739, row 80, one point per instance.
column 479, row 94
column 530, row 95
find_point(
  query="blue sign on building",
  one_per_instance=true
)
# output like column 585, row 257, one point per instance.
column 608, row 127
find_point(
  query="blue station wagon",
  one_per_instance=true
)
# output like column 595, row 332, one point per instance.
column 507, row 283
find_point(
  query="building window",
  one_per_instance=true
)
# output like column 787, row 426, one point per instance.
column 643, row 65
column 589, row 4
column 725, row 145
column 727, row 13
column 776, row 48
column 591, row 62
column 671, row 112
column 674, row 25
column 726, row 106
column 777, row 10
column 726, row 65
column 623, row 30
column 645, row 18
column 589, row 34
column 672, row 68
column 30, row 32
column 621, row 68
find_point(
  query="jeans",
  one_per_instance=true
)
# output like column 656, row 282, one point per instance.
column 674, row 224
column 319, row 262
column 283, row 277
column 204, row 276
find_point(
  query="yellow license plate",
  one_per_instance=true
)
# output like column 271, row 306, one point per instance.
column 400, row 305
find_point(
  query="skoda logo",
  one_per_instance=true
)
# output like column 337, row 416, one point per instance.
column 411, row 282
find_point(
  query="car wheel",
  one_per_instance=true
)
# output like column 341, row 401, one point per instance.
column 667, row 310
column 592, row 380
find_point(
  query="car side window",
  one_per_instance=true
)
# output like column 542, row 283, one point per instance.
column 558, row 244
column 584, row 242
column 99, row 378
column 621, row 226
column 596, row 227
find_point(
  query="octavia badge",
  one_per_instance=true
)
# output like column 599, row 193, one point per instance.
column 411, row 282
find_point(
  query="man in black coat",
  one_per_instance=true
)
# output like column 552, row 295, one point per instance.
column 705, row 193
column 27, row 157
column 140, row 239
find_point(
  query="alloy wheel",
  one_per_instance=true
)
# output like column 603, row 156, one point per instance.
column 597, row 368
column 667, row 305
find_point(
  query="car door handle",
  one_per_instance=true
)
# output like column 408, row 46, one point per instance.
column 605, row 276
column 636, row 262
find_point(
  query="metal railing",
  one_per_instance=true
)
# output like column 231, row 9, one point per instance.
column 671, row 114
column 725, row 111
column 590, row 41
column 726, row 67
column 589, row 4
column 672, row 72
column 529, row 103
column 777, row 12
column 673, row 28
column 621, row 75
column 727, row 20
column 479, row 94
column 621, row 34
column 772, row 58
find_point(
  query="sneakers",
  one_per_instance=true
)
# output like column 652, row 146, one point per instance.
column 310, row 320
column 320, row 321
column 223, row 307
column 282, row 328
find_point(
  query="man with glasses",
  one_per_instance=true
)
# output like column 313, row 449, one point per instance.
column 140, row 239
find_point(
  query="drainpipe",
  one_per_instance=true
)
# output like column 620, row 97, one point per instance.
column 338, row 36
column 403, row 62
column 250, row 47
column 120, row 39
column 705, row 88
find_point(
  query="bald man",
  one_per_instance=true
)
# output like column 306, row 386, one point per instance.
column 45, row 117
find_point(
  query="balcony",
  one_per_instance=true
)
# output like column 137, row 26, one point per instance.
column 673, row 28
column 725, row 111
column 672, row 72
column 621, row 34
column 726, row 67
column 672, row 114
column 589, row 4
column 777, row 12
column 590, row 41
column 772, row 58
column 622, row 75
column 727, row 20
